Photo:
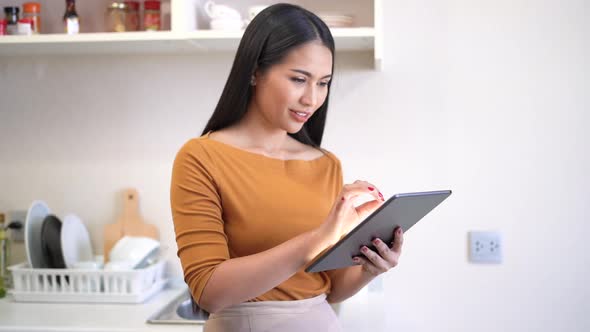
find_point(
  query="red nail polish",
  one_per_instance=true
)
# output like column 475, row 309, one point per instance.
column 342, row 197
column 371, row 188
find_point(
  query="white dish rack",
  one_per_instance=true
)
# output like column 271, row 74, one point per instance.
column 86, row 286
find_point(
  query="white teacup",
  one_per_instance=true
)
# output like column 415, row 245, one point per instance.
column 96, row 264
column 226, row 24
column 88, row 265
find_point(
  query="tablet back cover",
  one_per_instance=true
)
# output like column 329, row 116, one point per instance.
column 403, row 210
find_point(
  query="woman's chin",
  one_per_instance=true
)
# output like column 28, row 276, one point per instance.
column 294, row 129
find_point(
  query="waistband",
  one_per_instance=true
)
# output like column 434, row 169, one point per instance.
column 272, row 307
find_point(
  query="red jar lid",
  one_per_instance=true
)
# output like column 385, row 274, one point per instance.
column 31, row 7
column 133, row 5
column 152, row 5
column 25, row 20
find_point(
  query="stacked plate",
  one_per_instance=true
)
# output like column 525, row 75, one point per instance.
column 51, row 242
column 337, row 20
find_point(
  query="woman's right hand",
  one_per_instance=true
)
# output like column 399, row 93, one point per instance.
column 344, row 216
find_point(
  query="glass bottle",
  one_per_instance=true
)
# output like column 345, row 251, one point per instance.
column 71, row 19
column 115, row 17
column 151, row 15
column 132, row 17
column 11, row 19
column 32, row 10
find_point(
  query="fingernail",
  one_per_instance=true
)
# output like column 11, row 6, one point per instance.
column 376, row 241
column 399, row 230
column 371, row 188
column 342, row 197
column 364, row 249
column 380, row 195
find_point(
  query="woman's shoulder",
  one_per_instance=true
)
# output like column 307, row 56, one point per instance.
column 194, row 148
column 331, row 155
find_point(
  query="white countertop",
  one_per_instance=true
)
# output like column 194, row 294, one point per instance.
column 28, row 316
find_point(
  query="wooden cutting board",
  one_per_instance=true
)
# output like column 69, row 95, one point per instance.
column 129, row 223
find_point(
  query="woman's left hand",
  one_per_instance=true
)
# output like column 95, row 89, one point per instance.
column 385, row 258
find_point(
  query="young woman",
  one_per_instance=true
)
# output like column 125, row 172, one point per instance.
column 255, row 198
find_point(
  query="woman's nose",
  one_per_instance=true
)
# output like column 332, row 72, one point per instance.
column 309, row 98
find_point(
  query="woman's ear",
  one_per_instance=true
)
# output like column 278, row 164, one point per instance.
column 255, row 77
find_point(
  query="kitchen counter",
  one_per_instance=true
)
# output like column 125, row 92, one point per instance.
column 84, row 317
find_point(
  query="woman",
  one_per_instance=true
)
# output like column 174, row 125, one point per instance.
column 255, row 198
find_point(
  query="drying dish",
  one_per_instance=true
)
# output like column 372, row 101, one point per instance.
column 75, row 241
column 36, row 214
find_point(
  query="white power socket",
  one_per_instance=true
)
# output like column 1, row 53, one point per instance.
column 16, row 235
column 485, row 247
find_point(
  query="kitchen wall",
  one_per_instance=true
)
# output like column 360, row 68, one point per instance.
column 488, row 98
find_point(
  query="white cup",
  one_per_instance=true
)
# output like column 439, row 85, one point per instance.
column 226, row 24
column 87, row 265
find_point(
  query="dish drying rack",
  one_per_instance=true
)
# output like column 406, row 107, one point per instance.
column 85, row 285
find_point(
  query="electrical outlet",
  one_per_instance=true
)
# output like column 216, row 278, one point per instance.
column 485, row 247
column 16, row 235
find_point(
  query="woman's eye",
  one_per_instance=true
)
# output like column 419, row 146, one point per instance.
column 298, row 80
column 324, row 83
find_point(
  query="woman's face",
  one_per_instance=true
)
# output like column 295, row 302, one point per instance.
column 298, row 84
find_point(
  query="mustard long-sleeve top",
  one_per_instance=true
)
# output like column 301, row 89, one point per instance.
column 228, row 202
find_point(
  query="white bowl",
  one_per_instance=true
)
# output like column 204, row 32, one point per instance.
column 137, row 251
column 118, row 266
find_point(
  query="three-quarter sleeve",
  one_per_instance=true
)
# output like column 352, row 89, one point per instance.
column 197, row 215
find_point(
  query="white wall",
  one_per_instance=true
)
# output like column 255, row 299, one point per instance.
column 488, row 98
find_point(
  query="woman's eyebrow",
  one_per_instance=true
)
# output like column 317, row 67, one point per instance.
column 308, row 74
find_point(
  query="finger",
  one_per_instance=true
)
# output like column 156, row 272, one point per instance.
column 398, row 240
column 383, row 250
column 367, row 265
column 364, row 210
column 358, row 188
column 374, row 258
column 374, row 190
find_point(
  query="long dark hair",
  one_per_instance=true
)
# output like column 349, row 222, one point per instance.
column 267, row 40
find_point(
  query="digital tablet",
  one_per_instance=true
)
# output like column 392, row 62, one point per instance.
column 403, row 210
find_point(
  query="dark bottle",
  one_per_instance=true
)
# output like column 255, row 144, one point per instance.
column 11, row 19
column 71, row 19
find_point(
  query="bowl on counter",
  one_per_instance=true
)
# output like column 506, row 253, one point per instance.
column 134, row 252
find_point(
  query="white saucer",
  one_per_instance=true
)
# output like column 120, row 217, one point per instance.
column 33, row 223
column 75, row 241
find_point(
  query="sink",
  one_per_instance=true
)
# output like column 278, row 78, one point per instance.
column 179, row 311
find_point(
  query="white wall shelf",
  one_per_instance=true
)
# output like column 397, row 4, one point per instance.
column 181, row 39
column 347, row 39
